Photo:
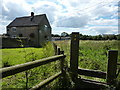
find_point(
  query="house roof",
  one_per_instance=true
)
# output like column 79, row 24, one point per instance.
column 26, row 21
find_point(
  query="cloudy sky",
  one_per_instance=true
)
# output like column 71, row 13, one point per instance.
column 89, row 17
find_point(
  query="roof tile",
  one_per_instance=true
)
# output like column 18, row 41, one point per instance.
column 26, row 21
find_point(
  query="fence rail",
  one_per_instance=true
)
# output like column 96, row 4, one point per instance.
column 92, row 73
column 45, row 82
column 23, row 67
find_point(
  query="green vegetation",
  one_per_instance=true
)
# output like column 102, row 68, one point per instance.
column 89, row 37
column 16, row 56
column 21, row 55
column 31, row 77
column 92, row 55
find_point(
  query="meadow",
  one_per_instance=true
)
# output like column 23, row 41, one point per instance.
column 32, row 77
column 92, row 55
column 15, row 56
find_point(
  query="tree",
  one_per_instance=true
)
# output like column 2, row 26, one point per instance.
column 99, row 37
column 106, row 37
column 118, row 37
column 55, row 35
column 64, row 34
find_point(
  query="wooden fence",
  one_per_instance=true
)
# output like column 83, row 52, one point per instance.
column 110, row 75
column 8, row 71
column 74, row 70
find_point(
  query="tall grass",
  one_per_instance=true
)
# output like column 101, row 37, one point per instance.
column 92, row 54
column 34, row 76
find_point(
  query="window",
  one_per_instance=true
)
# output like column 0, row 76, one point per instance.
column 45, row 27
column 40, row 31
column 14, row 29
column 20, row 35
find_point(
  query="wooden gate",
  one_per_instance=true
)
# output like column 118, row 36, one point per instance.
column 110, row 75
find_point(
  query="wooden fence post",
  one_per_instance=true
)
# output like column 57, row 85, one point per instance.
column 62, row 62
column 58, row 51
column 74, row 53
column 112, row 67
column 55, row 48
column 63, row 71
column 63, row 82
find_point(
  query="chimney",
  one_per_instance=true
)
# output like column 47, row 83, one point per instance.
column 32, row 15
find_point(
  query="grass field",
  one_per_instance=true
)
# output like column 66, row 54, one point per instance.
column 92, row 55
column 16, row 56
column 22, row 55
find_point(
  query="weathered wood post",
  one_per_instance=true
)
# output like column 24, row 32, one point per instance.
column 55, row 48
column 74, row 54
column 63, row 82
column 62, row 62
column 63, row 71
column 58, row 51
column 112, row 67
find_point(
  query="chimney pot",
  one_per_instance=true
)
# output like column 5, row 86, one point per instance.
column 32, row 13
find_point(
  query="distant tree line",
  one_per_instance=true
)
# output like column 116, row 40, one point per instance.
column 100, row 37
column 63, row 34
column 89, row 37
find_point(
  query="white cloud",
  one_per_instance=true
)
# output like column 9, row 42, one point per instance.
column 2, row 29
column 102, row 10
column 94, row 30
column 48, row 8
column 72, row 21
column 102, row 21
column 67, row 14
column 12, row 9
column 104, row 30
column 93, row 8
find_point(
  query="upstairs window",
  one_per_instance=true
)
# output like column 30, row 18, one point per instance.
column 40, row 31
column 45, row 27
column 14, row 29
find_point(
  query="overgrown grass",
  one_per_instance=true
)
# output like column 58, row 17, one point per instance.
column 22, row 55
column 34, row 76
column 17, row 56
column 92, row 54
